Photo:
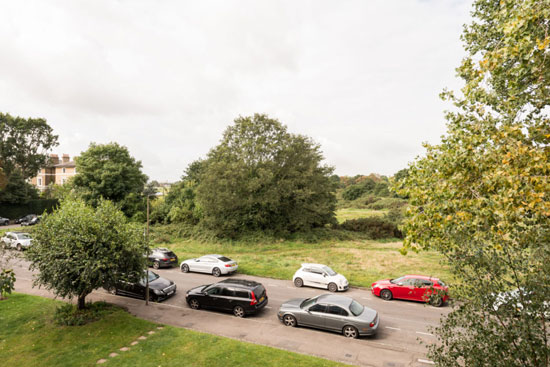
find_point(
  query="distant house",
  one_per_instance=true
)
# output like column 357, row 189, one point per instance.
column 57, row 171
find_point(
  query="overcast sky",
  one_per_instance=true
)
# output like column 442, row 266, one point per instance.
column 165, row 78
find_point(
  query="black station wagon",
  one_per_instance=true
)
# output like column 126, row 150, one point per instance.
column 240, row 296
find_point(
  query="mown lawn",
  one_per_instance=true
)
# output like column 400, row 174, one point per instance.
column 28, row 337
column 361, row 261
column 355, row 213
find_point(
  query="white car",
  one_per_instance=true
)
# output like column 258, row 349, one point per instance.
column 211, row 264
column 320, row 276
column 511, row 299
column 18, row 240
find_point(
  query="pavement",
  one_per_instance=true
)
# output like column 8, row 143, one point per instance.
column 402, row 326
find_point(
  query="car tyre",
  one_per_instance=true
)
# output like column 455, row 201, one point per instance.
column 386, row 294
column 332, row 287
column 112, row 290
column 216, row 272
column 156, row 265
column 18, row 247
column 194, row 304
column 289, row 320
column 436, row 301
column 238, row 311
column 350, row 332
column 298, row 282
column 185, row 268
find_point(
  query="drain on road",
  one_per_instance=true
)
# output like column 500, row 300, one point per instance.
column 393, row 364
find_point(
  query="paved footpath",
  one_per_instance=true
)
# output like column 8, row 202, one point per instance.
column 402, row 324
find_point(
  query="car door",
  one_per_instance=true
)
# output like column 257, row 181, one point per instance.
column 228, row 299
column 314, row 316
column 208, row 264
column 316, row 278
column 12, row 239
column 196, row 265
column 404, row 289
column 423, row 289
column 336, row 317
column 212, row 297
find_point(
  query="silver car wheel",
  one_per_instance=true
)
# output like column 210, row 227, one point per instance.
column 350, row 332
column 185, row 268
column 194, row 304
column 216, row 272
column 332, row 287
column 238, row 311
column 156, row 265
column 19, row 248
column 289, row 320
column 298, row 282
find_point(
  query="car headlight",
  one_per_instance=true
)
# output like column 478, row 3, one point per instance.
column 157, row 291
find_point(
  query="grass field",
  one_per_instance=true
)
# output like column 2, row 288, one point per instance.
column 355, row 213
column 28, row 337
column 361, row 261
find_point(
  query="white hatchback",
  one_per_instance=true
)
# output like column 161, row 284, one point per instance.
column 320, row 276
column 18, row 240
column 212, row 264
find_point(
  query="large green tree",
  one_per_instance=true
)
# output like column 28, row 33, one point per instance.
column 24, row 146
column 108, row 171
column 482, row 196
column 261, row 177
column 78, row 248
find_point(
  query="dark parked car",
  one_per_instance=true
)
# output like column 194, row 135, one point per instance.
column 242, row 297
column 162, row 258
column 159, row 288
column 31, row 222
column 4, row 221
column 330, row 312
column 26, row 218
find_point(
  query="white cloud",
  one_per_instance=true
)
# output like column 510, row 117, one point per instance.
column 165, row 78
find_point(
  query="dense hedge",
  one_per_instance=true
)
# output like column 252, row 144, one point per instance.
column 374, row 227
column 38, row 206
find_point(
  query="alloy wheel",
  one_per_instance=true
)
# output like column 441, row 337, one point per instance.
column 238, row 311
column 350, row 332
column 289, row 320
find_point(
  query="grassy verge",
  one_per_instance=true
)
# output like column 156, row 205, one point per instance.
column 28, row 337
column 361, row 261
column 355, row 213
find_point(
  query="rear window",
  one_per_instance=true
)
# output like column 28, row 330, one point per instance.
column 441, row 283
column 228, row 292
column 169, row 254
column 259, row 291
column 224, row 259
column 242, row 294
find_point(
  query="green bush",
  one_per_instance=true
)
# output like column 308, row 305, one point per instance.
column 374, row 227
column 387, row 203
column 70, row 315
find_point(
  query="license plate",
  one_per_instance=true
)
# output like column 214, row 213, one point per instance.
column 170, row 293
column 173, row 259
column 261, row 299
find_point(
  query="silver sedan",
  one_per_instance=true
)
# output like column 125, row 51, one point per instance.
column 211, row 264
column 330, row 312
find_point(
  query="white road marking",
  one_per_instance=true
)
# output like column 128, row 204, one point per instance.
column 420, row 332
column 427, row 361
column 268, row 307
column 393, row 328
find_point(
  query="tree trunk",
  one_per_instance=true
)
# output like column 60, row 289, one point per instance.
column 81, row 301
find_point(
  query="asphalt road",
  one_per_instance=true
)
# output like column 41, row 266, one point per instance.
column 397, row 344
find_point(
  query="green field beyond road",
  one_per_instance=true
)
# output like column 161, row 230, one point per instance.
column 28, row 337
column 360, row 261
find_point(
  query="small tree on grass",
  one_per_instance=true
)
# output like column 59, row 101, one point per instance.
column 78, row 249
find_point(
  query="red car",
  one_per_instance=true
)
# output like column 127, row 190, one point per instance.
column 414, row 288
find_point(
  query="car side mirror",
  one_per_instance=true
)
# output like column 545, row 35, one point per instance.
column 399, row 283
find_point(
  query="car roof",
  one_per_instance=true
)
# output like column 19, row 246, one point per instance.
column 244, row 283
column 161, row 249
column 421, row 277
column 335, row 299
column 212, row 255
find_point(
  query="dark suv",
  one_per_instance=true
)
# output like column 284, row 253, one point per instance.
column 242, row 297
column 162, row 258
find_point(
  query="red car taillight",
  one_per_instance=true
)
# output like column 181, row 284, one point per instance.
column 227, row 265
column 254, row 301
column 165, row 259
column 371, row 324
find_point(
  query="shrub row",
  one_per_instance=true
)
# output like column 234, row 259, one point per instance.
column 374, row 227
column 38, row 206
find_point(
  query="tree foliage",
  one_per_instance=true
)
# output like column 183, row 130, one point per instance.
column 108, row 171
column 482, row 196
column 261, row 177
column 24, row 144
column 78, row 248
